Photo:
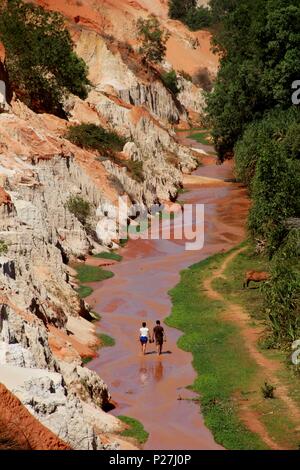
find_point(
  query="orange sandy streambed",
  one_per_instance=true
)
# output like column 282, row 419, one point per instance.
column 147, row 388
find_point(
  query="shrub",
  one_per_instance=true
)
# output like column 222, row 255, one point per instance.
column 136, row 170
column 91, row 136
column 203, row 79
column 282, row 292
column 178, row 9
column 153, row 38
column 3, row 247
column 185, row 75
column 198, row 18
column 268, row 390
column 80, row 208
column 170, row 81
column 41, row 63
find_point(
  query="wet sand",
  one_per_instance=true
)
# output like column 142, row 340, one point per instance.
column 149, row 388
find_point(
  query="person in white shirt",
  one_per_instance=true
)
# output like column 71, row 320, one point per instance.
column 144, row 337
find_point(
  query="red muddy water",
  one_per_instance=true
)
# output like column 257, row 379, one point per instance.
column 147, row 388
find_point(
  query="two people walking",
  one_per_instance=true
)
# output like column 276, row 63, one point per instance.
column 158, row 335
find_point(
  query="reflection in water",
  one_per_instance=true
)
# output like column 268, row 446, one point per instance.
column 151, row 372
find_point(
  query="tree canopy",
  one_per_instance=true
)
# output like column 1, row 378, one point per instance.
column 42, row 65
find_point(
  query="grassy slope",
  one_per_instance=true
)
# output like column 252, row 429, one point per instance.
column 201, row 137
column 226, row 373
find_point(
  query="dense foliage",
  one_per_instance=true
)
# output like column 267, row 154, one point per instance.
column 41, row 63
column 259, row 43
column 187, row 11
column 252, row 115
column 153, row 39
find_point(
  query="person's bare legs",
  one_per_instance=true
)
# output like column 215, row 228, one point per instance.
column 159, row 348
column 144, row 348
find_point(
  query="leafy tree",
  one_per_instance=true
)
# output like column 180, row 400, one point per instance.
column 41, row 63
column 221, row 8
column 198, row 18
column 153, row 38
column 178, row 9
column 259, row 43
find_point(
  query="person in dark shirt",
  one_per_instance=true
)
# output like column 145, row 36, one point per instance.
column 159, row 336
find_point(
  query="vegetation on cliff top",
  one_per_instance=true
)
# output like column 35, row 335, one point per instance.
column 41, row 63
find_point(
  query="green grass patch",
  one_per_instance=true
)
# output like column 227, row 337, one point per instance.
column 123, row 242
column 201, row 137
column 232, row 287
column 84, row 291
column 136, row 429
column 86, row 273
column 220, row 357
column 109, row 255
column 86, row 360
column 106, row 340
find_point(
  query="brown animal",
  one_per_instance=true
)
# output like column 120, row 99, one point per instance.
column 255, row 276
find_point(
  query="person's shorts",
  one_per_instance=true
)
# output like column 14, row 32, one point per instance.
column 143, row 339
column 159, row 341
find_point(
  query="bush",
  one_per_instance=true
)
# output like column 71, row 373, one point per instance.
column 41, row 63
column 170, row 81
column 267, row 160
column 178, row 9
column 80, row 208
column 3, row 247
column 135, row 168
column 282, row 292
column 91, row 136
column 185, row 75
column 198, row 18
column 153, row 38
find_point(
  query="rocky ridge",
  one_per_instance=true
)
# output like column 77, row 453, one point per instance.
column 44, row 326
